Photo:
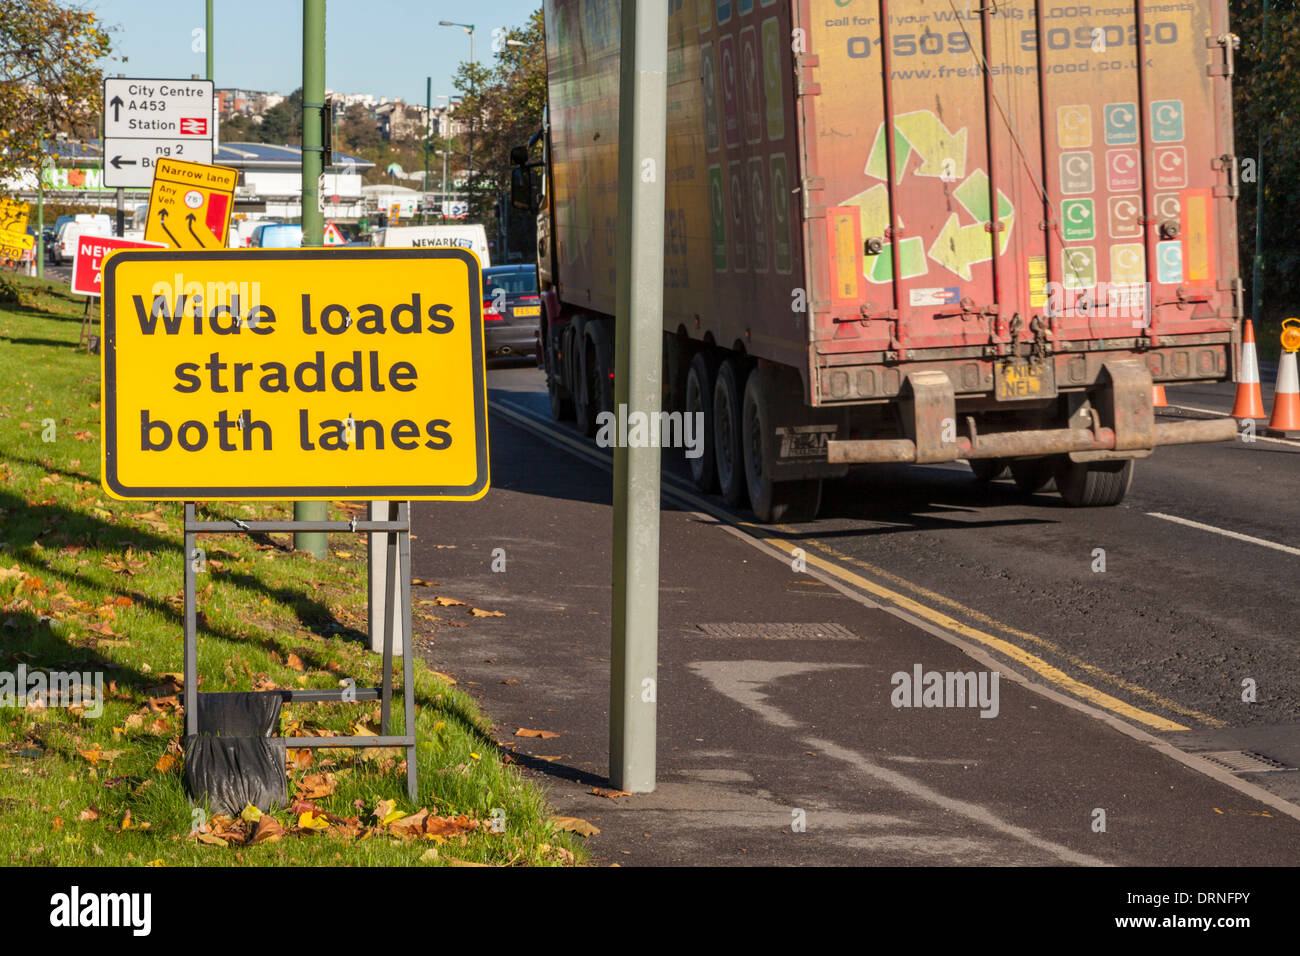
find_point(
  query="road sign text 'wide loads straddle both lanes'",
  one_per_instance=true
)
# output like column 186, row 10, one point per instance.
column 294, row 374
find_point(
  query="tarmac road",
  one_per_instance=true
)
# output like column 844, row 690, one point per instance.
column 1113, row 681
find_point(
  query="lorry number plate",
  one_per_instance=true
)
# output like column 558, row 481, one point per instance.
column 1017, row 382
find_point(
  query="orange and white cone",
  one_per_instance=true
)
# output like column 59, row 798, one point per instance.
column 1285, row 419
column 1250, row 401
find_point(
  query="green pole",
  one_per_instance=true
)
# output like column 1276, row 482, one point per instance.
column 1257, row 273
column 207, row 38
column 313, row 222
column 428, row 112
column 638, row 341
column 40, row 201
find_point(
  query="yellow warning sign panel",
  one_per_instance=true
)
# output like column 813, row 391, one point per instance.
column 190, row 204
column 14, row 214
column 293, row 374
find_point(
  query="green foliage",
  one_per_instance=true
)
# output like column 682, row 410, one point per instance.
column 50, row 80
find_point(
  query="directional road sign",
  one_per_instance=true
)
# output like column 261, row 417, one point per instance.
column 150, row 119
column 190, row 204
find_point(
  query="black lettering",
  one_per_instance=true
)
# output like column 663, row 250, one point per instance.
column 333, row 437
column 240, row 369
column 354, row 367
column 303, row 441
column 223, row 424
column 185, row 429
column 369, row 423
column 318, row 367
column 413, row 310
column 370, row 320
column 376, row 382
column 441, row 316
column 215, row 367
column 149, row 320
column 185, row 372
column 260, row 320
column 146, row 433
column 276, row 378
column 400, row 373
column 249, row 424
column 441, row 438
column 306, row 314
column 232, row 315
column 403, row 434
column 327, row 313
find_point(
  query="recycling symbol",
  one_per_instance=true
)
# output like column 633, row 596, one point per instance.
column 961, row 241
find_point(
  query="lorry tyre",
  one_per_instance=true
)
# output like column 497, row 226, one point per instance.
column 727, row 439
column 1093, row 484
column 987, row 469
column 561, row 400
column 595, row 389
column 771, row 501
column 1031, row 475
column 700, row 380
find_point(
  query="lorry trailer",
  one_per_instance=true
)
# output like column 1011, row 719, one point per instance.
column 911, row 231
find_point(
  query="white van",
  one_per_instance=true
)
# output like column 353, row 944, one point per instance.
column 472, row 237
column 65, row 242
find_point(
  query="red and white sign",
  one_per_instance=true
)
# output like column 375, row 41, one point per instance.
column 91, row 251
column 194, row 126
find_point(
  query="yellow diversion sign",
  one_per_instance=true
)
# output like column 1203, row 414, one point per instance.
column 294, row 374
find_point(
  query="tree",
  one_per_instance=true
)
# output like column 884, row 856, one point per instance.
column 49, row 78
column 282, row 123
column 358, row 130
column 503, row 107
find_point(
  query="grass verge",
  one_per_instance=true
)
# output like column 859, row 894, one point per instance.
column 90, row 585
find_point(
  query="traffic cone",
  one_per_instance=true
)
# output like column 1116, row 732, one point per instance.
column 1158, row 397
column 1250, row 401
column 1285, row 420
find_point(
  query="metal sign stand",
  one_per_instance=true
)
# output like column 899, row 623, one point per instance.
column 398, row 547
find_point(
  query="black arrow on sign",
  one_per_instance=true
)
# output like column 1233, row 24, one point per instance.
column 162, row 221
column 118, row 162
column 190, row 219
column 116, row 103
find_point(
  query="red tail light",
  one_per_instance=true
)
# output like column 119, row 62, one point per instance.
column 490, row 314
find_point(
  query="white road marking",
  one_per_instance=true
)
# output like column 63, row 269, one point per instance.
column 1237, row 535
column 1220, row 414
column 741, row 680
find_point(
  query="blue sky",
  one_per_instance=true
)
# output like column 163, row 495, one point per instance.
column 384, row 47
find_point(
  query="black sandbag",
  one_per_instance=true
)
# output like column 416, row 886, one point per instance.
column 254, row 714
column 232, row 772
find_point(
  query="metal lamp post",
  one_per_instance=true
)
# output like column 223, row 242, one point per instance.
column 468, row 28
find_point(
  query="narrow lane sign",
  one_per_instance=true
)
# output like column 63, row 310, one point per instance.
column 300, row 374
column 91, row 252
column 190, row 205
column 146, row 120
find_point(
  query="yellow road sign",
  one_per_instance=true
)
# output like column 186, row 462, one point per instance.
column 14, row 244
column 190, row 204
column 14, row 214
column 293, row 374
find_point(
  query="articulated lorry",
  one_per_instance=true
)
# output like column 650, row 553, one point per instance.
column 907, row 231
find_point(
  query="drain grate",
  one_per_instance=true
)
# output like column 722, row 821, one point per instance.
column 780, row 631
column 1244, row 761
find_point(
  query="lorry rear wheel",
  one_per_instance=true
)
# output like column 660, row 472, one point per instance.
column 727, row 439
column 1093, row 484
column 561, row 403
column 771, row 501
column 987, row 469
column 1032, row 475
column 700, row 379
column 595, row 391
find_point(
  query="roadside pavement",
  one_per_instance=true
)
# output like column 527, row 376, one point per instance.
column 780, row 744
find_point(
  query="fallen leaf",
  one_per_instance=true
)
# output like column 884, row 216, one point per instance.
column 575, row 825
column 453, row 861
column 300, row 758
column 449, row 602
column 310, row 821
column 479, row 612
column 421, row 583
column 316, row 785
column 411, row 824
column 544, row 734
column 250, row 814
column 165, row 763
column 212, row 839
column 90, row 813
column 611, row 794
column 510, row 681
column 268, row 830
column 445, row 677
column 294, row 662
